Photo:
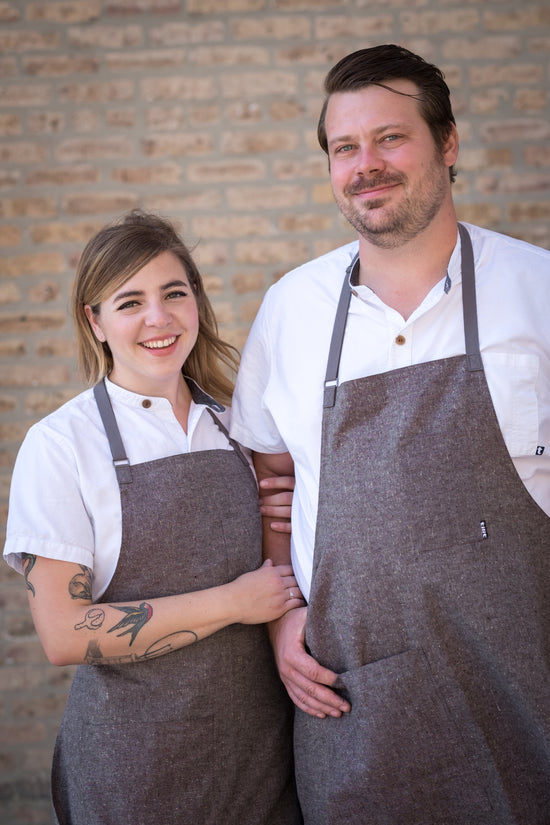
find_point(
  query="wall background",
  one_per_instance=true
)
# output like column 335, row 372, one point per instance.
column 206, row 111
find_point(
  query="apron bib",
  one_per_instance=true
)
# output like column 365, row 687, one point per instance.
column 200, row 735
column 430, row 597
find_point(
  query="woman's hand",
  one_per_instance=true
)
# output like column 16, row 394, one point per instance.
column 276, row 494
column 266, row 594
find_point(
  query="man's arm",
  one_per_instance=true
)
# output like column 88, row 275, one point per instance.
column 308, row 684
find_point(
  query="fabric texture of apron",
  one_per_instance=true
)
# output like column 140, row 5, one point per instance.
column 202, row 735
column 431, row 598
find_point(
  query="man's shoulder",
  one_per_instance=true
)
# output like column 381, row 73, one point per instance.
column 488, row 243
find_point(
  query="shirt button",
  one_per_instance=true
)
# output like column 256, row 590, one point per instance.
column 146, row 403
column 400, row 340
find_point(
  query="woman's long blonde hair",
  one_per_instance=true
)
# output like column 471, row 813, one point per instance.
column 115, row 255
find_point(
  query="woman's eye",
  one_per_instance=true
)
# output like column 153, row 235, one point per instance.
column 127, row 305
column 177, row 293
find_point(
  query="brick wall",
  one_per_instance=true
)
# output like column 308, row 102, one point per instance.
column 205, row 110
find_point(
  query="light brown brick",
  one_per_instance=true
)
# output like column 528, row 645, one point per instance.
column 9, row 13
column 516, row 74
column 25, row 94
column 219, row 171
column 103, row 202
column 245, row 143
column 10, row 236
column 176, row 145
column 56, row 348
column 60, row 65
column 271, row 252
column 105, row 37
column 44, row 292
column 434, row 22
column 280, row 27
column 69, row 11
column 10, row 124
column 538, row 155
column 216, row 6
column 275, row 196
column 230, row 226
column 178, row 88
column 150, row 175
column 28, row 207
column 248, row 84
column 531, row 100
column 42, row 403
column 177, row 33
column 84, row 149
column 244, row 282
column 39, row 263
column 335, row 26
column 241, row 55
column 145, row 60
column 23, row 152
column 25, row 323
column 28, row 40
column 61, row 233
column 505, row 131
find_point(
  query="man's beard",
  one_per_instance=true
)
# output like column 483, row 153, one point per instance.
column 395, row 225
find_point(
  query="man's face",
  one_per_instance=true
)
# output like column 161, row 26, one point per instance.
column 388, row 176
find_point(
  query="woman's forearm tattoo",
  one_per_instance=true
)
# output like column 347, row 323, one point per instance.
column 174, row 641
column 135, row 619
column 93, row 619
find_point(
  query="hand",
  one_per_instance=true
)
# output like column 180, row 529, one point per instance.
column 306, row 681
column 267, row 593
column 276, row 501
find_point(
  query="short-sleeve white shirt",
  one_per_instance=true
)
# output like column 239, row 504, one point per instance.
column 64, row 498
column 277, row 405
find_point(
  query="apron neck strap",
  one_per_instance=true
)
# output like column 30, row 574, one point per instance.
column 471, row 336
column 223, row 429
column 469, row 303
column 120, row 459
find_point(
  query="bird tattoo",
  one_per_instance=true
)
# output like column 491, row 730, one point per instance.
column 135, row 619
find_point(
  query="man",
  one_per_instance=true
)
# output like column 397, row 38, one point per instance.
column 406, row 377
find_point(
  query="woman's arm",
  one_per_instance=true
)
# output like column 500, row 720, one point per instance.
column 74, row 630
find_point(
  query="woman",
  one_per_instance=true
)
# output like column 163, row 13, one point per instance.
column 135, row 521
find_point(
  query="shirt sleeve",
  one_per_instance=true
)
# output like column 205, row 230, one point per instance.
column 252, row 423
column 47, row 515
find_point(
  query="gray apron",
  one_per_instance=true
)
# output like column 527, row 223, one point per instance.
column 430, row 597
column 200, row 736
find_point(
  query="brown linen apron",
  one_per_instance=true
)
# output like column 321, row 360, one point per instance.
column 430, row 596
column 200, row 736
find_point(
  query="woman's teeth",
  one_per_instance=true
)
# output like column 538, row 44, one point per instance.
column 167, row 342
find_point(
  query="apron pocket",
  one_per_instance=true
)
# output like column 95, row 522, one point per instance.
column 397, row 757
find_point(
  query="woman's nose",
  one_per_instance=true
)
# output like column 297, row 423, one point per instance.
column 157, row 315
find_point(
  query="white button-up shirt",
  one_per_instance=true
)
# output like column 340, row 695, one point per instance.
column 64, row 498
column 277, row 404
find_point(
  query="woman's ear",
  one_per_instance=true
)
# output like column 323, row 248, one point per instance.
column 94, row 323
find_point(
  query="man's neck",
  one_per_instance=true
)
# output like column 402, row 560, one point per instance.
column 402, row 277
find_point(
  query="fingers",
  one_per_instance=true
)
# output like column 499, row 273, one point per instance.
column 277, row 483
column 281, row 526
column 307, row 682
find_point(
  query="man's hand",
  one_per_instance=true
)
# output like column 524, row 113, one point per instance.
column 276, row 501
column 308, row 684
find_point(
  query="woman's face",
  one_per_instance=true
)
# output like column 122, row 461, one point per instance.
column 151, row 325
